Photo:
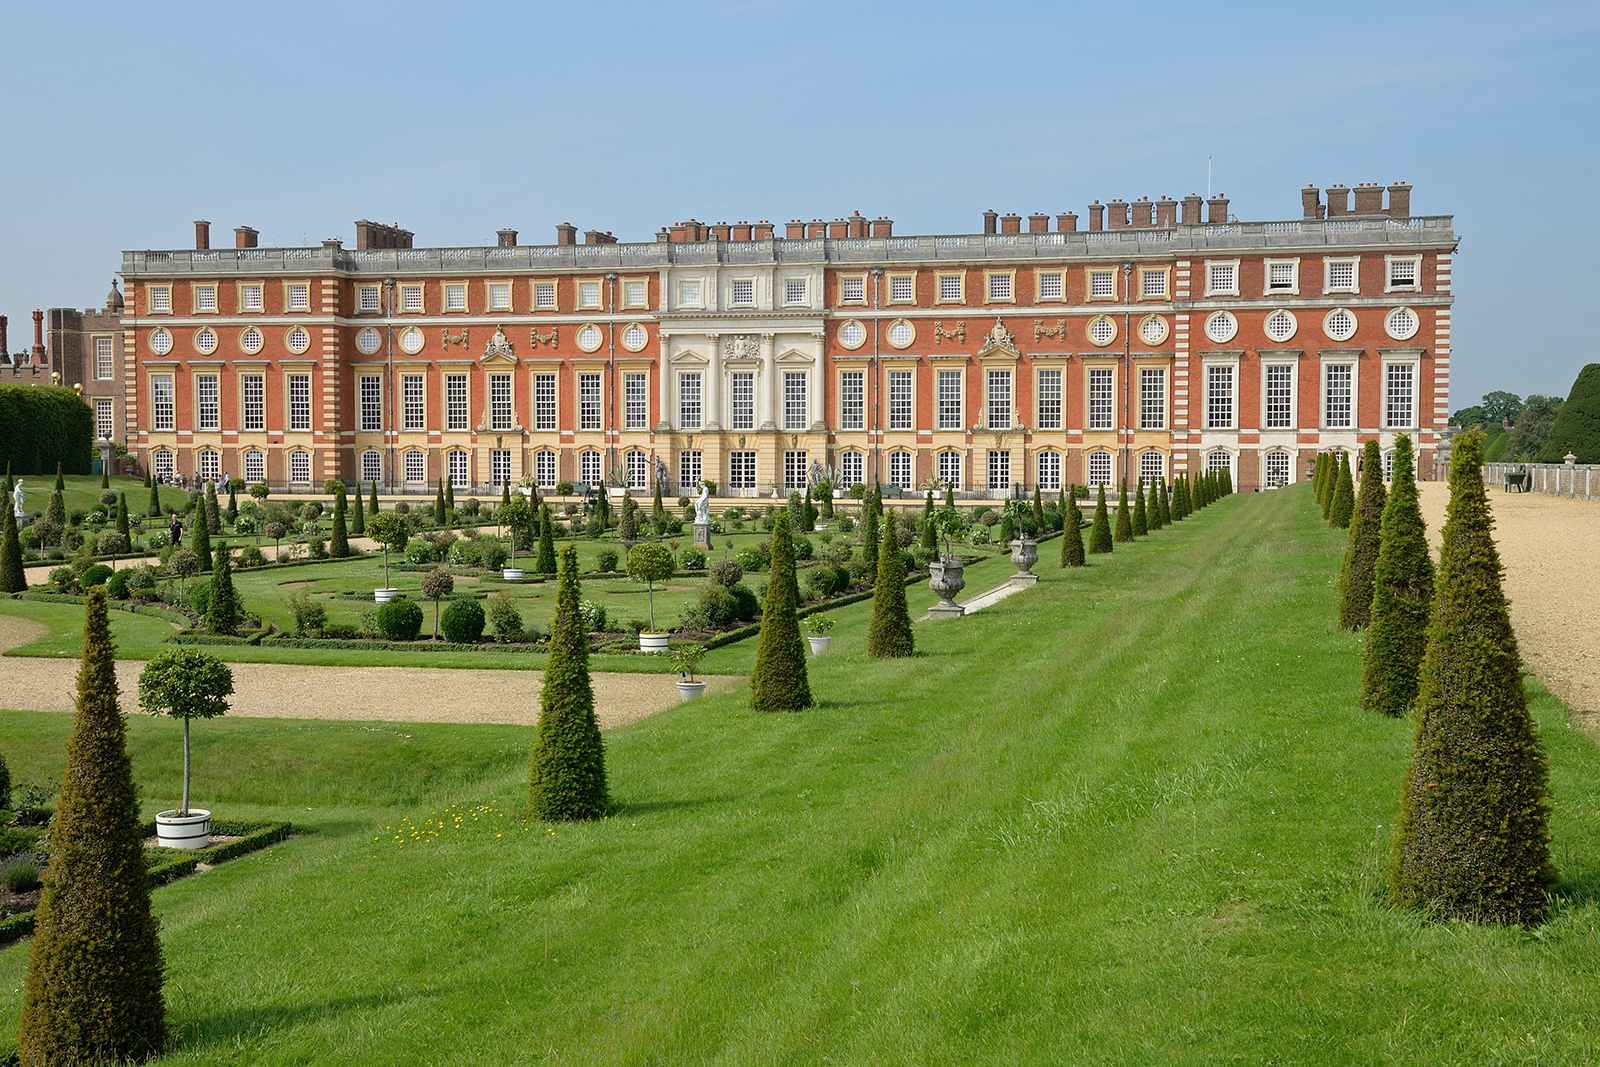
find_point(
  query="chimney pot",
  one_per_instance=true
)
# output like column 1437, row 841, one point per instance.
column 1117, row 212
column 1038, row 223
column 1338, row 201
column 245, row 237
column 1097, row 216
column 794, row 230
column 989, row 220
column 567, row 234
column 1010, row 222
column 1217, row 209
column 883, row 227
column 202, row 234
column 1400, row 201
column 838, row 228
column 1369, row 199
column 38, row 337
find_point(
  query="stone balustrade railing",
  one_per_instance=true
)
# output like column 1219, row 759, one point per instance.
column 1580, row 480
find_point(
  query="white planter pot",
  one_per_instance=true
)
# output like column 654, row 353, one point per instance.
column 690, row 690
column 615, row 493
column 819, row 645
column 511, row 574
column 383, row 596
column 653, row 642
column 838, row 494
column 184, row 831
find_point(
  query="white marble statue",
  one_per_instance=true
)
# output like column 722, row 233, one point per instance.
column 17, row 497
column 702, row 505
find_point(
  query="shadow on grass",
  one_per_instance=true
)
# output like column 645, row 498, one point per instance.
column 641, row 807
column 1579, row 887
column 238, row 1026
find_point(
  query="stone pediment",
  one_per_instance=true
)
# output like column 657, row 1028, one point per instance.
column 998, row 340
column 689, row 355
column 794, row 355
column 498, row 352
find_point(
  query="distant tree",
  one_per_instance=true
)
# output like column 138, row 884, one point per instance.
column 372, row 504
column 545, row 561
column 1577, row 426
column 436, row 585
column 105, row 476
column 222, row 607
column 200, row 538
column 651, row 562
column 1501, row 405
column 391, row 531
column 186, row 684
column 869, row 532
column 1100, row 540
column 233, row 500
column 339, row 543
column 1533, row 426
column 1165, row 503
column 1124, row 532
column 213, row 511
column 450, row 496
column 153, row 509
column 1141, row 515
column 438, row 505
column 929, row 534
column 13, row 576
column 358, row 517
column 1361, row 548
column 628, row 522
column 658, row 511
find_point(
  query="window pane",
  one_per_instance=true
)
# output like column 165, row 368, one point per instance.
column 852, row 290
column 206, row 401
column 744, row 291
column 501, row 416
column 1050, row 286
column 455, row 399
column 589, row 468
column 162, row 405
column 544, row 401
column 1280, row 397
column 852, row 400
column 950, row 287
column 900, row 469
column 1152, row 398
column 588, row 401
column 414, row 410
column 300, row 402
column 1100, row 399
column 1049, row 470
column 371, row 386
column 634, row 294
column 999, row 400
column 588, row 294
column 1102, row 283
column 371, row 467
column 636, row 400
column 742, row 400
column 950, row 400
column 253, row 393
column 901, row 289
column 1099, row 469
column 795, row 291
column 999, row 287
column 544, row 295
column 499, row 466
column 500, row 297
column 1049, row 400
column 103, row 427
column 1278, row 469
column 999, row 470
column 899, row 400
column 456, row 460
column 1152, row 466
column 637, row 467
column 300, row 468
column 255, row 466
column 103, row 368
column 1398, row 409
column 794, row 469
column 795, row 411
column 689, row 401
column 1219, row 398
column 741, row 470
column 1336, row 403
column 544, row 469
column 689, row 471
column 949, row 469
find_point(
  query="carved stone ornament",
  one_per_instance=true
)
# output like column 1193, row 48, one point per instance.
column 535, row 337
column 958, row 334
column 459, row 339
column 499, row 346
column 1000, row 337
column 742, row 347
column 1058, row 331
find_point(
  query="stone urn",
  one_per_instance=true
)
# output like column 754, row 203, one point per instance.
column 1025, row 553
column 945, row 578
column 688, row 691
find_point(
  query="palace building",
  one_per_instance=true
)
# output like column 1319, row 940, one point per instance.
column 1152, row 342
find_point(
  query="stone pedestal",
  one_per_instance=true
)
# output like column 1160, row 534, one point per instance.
column 702, row 535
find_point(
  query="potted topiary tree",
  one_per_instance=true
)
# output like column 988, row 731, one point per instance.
column 688, row 658
column 186, row 684
column 819, row 623
column 391, row 531
column 514, row 515
column 651, row 562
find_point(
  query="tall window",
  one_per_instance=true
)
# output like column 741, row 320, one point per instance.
column 999, row 400
column 500, row 416
column 544, row 401
column 852, row 400
column 1219, row 460
column 1152, row 398
column 1388, row 466
column 852, row 469
column 253, row 395
column 900, row 469
column 415, row 467
column 742, row 397
column 902, row 289
column 499, row 466
column 300, row 402
column 413, row 410
column 205, row 298
column 455, row 298
column 103, row 428
column 1397, row 409
column 689, row 471
column 637, row 467
column 1100, row 399
column 371, row 466
column 794, row 470
column 455, row 401
column 299, row 467
column 999, row 470
column 1336, row 406
column 589, row 467
column 164, row 464
column 371, row 403
column 249, row 298
column 744, row 292
column 742, row 470
column 796, row 412
column 1278, row 469
column 208, row 465
column 255, row 466
column 1099, row 468
column 948, row 467
column 103, row 365
column 456, row 463
column 500, row 296
column 1049, row 470
column 1219, row 398
column 1152, row 467
column 899, row 400
column 950, row 415
column 689, row 400
column 544, row 468
column 1102, row 284
column 207, row 412
column 635, row 401
column 411, row 298
column 1280, row 396
column 163, row 408
column 589, row 295
column 367, row 298
column 588, row 401
column 634, row 294
column 1049, row 400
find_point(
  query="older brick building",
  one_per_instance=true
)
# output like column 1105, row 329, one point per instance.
column 1154, row 341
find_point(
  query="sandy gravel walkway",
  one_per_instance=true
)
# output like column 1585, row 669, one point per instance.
column 387, row 694
column 1550, row 546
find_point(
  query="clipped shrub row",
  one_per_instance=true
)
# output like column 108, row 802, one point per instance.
column 253, row 835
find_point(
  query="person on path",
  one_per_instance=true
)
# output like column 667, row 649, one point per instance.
column 175, row 530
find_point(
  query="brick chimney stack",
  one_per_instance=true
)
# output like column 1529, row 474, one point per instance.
column 1166, row 213
column 857, row 225
column 1338, row 201
column 38, row 336
column 990, row 219
column 1117, row 214
column 1143, row 213
column 1311, row 202
column 1097, row 216
column 1369, row 199
column 794, row 230
column 1066, row 222
column 1010, row 222
column 1191, row 209
column 506, row 238
column 244, row 237
column 566, row 234
column 1400, row 201
column 5, row 344
column 883, row 226
column 202, row 235
column 1217, row 209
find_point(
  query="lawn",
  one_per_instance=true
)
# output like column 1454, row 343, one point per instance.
column 1130, row 816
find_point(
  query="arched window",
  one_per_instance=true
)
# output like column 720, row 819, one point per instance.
column 1280, row 469
column 456, row 463
column 208, row 465
column 1220, row 460
column 1049, row 470
column 900, row 469
column 949, row 468
column 299, row 467
column 852, row 470
column 163, row 464
column 372, row 466
column 255, row 466
column 416, row 467
column 1152, row 467
column 1099, row 468
column 1388, row 466
column 636, row 465
column 544, row 468
column 589, row 467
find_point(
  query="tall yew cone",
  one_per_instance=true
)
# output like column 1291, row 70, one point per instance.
column 93, row 990
column 1100, row 532
column 1072, row 537
column 1402, row 596
column 339, row 543
column 1124, row 521
column 1361, row 549
column 13, row 577
column 1154, row 519
column 358, row 517
column 1330, row 481
column 567, row 772
column 889, row 633
column 779, row 681
column 1317, row 474
column 372, row 504
column 1473, row 841
column 200, row 538
column 1344, row 496
column 545, row 561
column 869, row 531
column 1180, row 507
column 1141, row 516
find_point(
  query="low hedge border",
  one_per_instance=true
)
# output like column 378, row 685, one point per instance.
column 115, row 605
column 419, row 645
column 14, row 926
column 191, row 638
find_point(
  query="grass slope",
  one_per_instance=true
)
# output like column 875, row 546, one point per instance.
column 1130, row 816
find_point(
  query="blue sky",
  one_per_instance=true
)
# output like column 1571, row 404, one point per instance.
column 125, row 122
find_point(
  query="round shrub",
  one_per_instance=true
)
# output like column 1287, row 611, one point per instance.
column 111, row 543
column 244, row 524
column 505, row 620
column 400, row 620
column 402, row 508
column 746, row 605
column 463, row 622
column 606, row 559
column 751, row 559
column 312, row 510
column 492, row 555
column 716, row 606
column 691, row 559
column 804, row 549
column 141, row 581
column 108, row 498
column 117, row 585
column 820, row 582
column 95, row 575
column 419, row 552
column 726, row 572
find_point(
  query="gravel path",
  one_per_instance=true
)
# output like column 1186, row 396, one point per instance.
column 1548, row 545
column 386, row 694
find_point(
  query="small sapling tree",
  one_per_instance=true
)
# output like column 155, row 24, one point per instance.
column 436, row 585
column 185, row 683
column 650, row 562
column 391, row 531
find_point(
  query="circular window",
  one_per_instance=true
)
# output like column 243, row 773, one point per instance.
column 298, row 340
column 1153, row 330
column 367, row 341
column 852, row 334
column 1102, row 330
column 411, row 340
column 205, row 341
column 1281, row 325
column 1339, row 324
column 634, row 337
column 1221, row 326
column 1401, row 324
column 251, row 340
column 589, row 337
column 901, row 333
column 160, row 341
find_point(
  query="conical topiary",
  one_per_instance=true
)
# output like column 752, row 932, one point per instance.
column 339, row 542
column 1225, row 477
column 1165, row 503
column 1473, row 841
column 222, row 607
column 105, row 476
column 567, row 772
column 1344, row 496
column 889, row 634
column 93, row 989
column 1038, row 513
column 61, row 483
column 200, row 539
column 122, row 517
column 1141, row 516
column 153, row 508
column 1124, row 520
column 13, row 575
column 869, row 533
column 372, row 505
column 658, row 511
column 438, row 504
column 1100, row 532
column 779, row 682
column 1361, row 548
column 1153, row 518
column 545, row 561
column 213, row 511
column 358, row 517
column 505, row 493
column 1317, row 474
column 233, row 501
column 1330, row 482
column 1072, row 537
column 450, row 496
column 1402, row 595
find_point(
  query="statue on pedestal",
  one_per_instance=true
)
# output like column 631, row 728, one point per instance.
column 17, row 498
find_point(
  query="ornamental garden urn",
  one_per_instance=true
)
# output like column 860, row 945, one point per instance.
column 945, row 578
column 1025, row 553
